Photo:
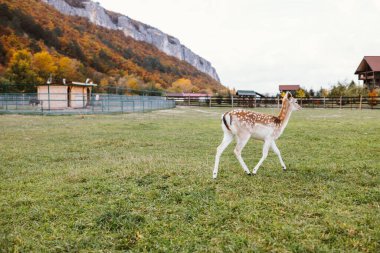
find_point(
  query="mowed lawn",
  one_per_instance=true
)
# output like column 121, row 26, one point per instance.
column 143, row 182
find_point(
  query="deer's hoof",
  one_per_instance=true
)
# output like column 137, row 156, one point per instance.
column 249, row 174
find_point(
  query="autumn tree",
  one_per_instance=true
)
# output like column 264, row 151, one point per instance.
column 20, row 69
column 322, row 92
column 133, row 83
column 300, row 93
column 44, row 66
column 347, row 89
column 70, row 69
column 183, row 85
column 373, row 97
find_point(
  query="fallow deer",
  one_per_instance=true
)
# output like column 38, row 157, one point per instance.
column 243, row 125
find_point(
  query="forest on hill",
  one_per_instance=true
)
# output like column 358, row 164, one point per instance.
column 35, row 46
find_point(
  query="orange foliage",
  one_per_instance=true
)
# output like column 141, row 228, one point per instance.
column 98, row 52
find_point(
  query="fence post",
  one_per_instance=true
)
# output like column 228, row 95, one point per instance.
column 324, row 102
column 122, row 106
column 210, row 101
column 232, row 101
column 340, row 102
column 360, row 102
column 278, row 102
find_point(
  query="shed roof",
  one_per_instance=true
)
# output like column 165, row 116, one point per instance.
column 81, row 84
column 183, row 94
column 287, row 87
column 369, row 63
column 248, row 93
column 71, row 84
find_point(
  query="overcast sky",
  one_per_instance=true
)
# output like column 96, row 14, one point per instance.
column 256, row 44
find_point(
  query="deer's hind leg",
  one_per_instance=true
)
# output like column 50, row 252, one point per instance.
column 227, row 138
column 242, row 140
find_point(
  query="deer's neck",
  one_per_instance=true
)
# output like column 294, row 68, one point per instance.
column 284, row 111
column 284, row 117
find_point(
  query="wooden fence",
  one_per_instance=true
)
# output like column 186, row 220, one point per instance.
column 359, row 102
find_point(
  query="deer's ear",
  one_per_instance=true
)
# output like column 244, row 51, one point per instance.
column 288, row 95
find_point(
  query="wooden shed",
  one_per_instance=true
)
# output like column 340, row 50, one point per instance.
column 73, row 95
column 247, row 98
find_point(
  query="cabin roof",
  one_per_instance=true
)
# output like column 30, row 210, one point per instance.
column 287, row 87
column 369, row 63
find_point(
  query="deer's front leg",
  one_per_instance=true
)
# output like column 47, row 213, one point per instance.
column 278, row 153
column 266, row 146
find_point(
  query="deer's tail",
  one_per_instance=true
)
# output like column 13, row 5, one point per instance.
column 225, row 121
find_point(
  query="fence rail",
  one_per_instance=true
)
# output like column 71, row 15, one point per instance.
column 360, row 102
column 32, row 103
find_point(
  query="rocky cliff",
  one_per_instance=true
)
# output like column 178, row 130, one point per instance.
column 137, row 30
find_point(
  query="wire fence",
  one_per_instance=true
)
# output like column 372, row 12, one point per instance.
column 359, row 102
column 79, row 103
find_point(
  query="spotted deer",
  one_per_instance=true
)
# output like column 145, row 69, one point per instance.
column 243, row 125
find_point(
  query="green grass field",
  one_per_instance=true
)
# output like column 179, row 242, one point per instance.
column 143, row 182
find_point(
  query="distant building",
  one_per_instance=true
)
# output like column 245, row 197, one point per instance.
column 202, row 97
column 248, row 93
column 192, row 95
column 292, row 88
column 369, row 71
column 247, row 98
column 71, row 95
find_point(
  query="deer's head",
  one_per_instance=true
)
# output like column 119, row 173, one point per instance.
column 291, row 101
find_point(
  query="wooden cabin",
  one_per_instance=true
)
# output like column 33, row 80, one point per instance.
column 57, row 96
column 369, row 71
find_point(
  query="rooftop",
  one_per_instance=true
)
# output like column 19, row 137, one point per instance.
column 248, row 93
column 369, row 63
column 287, row 87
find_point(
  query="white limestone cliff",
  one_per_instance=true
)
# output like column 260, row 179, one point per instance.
column 137, row 30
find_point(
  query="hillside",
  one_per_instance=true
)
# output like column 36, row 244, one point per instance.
column 33, row 45
column 168, row 44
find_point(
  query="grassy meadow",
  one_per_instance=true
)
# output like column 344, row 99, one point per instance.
column 143, row 182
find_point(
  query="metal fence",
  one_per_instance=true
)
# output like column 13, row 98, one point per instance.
column 32, row 103
column 360, row 102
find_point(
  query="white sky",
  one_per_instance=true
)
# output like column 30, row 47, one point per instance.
column 259, row 44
